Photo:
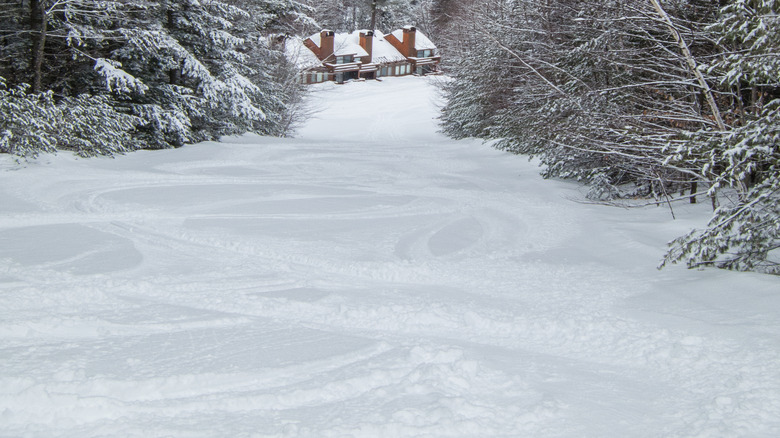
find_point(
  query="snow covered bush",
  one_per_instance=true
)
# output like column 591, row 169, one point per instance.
column 28, row 122
column 87, row 125
column 744, row 233
column 91, row 126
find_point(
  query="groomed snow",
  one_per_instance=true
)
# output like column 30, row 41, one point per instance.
column 370, row 278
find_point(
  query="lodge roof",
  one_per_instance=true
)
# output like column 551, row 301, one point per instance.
column 383, row 51
column 421, row 42
column 299, row 54
column 364, row 52
column 343, row 44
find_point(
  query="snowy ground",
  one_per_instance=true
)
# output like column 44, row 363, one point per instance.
column 369, row 278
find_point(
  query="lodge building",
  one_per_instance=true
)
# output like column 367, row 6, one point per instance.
column 366, row 54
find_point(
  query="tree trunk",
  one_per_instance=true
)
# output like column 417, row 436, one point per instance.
column 174, row 74
column 740, row 104
column 38, row 26
column 691, row 64
column 373, row 15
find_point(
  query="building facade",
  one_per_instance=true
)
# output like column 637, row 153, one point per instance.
column 366, row 54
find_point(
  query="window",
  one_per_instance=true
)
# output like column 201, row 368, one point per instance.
column 427, row 53
column 320, row 77
column 344, row 59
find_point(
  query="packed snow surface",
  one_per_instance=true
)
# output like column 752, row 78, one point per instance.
column 369, row 278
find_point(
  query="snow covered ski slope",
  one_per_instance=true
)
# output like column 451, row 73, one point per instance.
column 370, row 278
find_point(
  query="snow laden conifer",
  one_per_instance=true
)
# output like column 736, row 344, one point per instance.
column 749, row 33
column 27, row 122
column 744, row 233
column 87, row 125
column 742, row 164
column 181, row 71
column 194, row 71
column 210, row 69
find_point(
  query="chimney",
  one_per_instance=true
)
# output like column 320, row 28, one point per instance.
column 367, row 43
column 410, row 33
column 326, row 43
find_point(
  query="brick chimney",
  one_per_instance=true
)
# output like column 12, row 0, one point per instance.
column 410, row 34
column 327, row 43
column 367, row 43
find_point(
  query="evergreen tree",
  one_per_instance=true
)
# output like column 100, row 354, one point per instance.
column 181, row 71
column 742, row 164
column 35, row 123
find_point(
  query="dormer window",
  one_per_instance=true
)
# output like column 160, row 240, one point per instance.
column 346, row 59
column 427, row 53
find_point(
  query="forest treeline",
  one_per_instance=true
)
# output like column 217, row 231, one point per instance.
column 673, row 100
column 659, row 100
column 102, row 77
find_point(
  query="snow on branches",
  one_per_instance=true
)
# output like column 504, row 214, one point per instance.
column 635, row 99
column 118, row 80
column 166, row 73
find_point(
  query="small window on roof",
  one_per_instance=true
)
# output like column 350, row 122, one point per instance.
column 344, row 59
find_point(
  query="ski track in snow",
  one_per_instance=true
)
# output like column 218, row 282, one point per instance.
column 370, row 278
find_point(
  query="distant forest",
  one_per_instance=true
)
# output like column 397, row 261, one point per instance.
column 659, row 101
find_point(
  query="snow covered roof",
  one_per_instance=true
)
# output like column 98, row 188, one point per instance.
column 343, row 44
column 383, row 51
column 348, row 44
column 316, row 39
column 299, row 54
column 421, row 42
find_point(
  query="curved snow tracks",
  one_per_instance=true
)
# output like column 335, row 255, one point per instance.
column 370, row 278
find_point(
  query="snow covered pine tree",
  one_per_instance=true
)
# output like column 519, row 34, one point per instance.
column 165, row 73
column 743, row 163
